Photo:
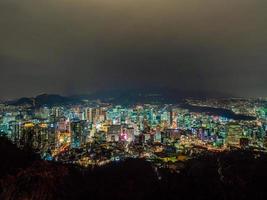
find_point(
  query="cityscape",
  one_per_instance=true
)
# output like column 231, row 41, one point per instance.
column 96, row 133
column 93, row 134
column 133, row 99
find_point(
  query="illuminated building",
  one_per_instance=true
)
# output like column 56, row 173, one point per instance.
column 113, row 133
column 89, row 114
column 51, row 135
column 234, row 133
column 15, row 129
column 123, row 136
column 173, row 134
column 63, row 125
column 157, row 135
column 100, row 137
column 76, row 134
column 42, row 113
column 28, row 134
column 63, row 139
column 79, row 133
column 41, row 136
column 130, row 133
column 56, row 111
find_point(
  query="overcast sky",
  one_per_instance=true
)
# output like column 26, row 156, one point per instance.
column 79, row 46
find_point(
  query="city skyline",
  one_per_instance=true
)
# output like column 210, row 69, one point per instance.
column 69, row 47
column 133, row 99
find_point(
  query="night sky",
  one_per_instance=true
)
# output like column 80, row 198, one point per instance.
column 79, row 46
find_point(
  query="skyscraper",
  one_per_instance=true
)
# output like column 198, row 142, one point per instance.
column 79, row 133
column 234, row 133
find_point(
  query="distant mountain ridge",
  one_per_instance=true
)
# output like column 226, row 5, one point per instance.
column 42, row 100
column 124, row 96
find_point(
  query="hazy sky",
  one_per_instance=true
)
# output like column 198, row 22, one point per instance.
column 77, row 46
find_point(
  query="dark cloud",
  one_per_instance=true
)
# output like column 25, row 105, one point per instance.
column 66, row 46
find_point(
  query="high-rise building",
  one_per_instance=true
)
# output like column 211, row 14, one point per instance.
column 113, row 133
column 27, row 136
column 15, row 129
column 234, row 133
column 79, row 133
column 42, row 134
column 89, row 114
column 63, row 125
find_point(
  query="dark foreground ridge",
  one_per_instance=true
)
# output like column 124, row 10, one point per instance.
column 235, row 175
